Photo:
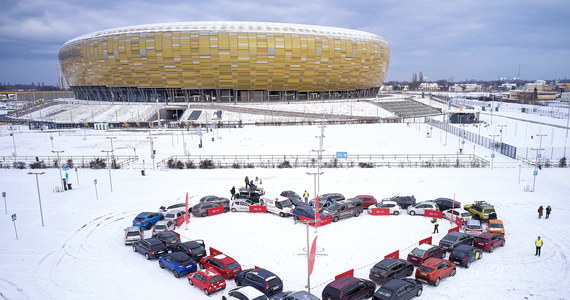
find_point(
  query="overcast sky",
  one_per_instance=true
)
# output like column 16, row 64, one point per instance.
column 459, row 39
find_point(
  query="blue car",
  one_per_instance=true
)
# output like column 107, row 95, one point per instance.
column 305, row 211
column 260, row 279
column 179, row 263
column 147, row 219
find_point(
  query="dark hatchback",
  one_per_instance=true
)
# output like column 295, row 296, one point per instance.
column 454, row 239
column 390, row 268
column 349, row 288
column 397, row 289
column 305, row 211
column 195, row 249
column 261, row 279
column 403, row 201
column 464, row 255
column 150, row 248
column 446, row 203
column 168, row 238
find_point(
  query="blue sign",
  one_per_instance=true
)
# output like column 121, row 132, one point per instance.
column 463, row 142
column 492, row 155
column 320, row 157
column 538, row 155
column 66, row 176
column 535, row 173
column 65, row 169
column 113, row 156
column 152, row 156
column 341, row 154
column 14, row 217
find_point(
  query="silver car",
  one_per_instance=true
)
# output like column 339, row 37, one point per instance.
column 133, row 234
column 240, row 205
column 420, row 208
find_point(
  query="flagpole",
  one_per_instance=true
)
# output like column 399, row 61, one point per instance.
column 186, row 213
column 308, row 261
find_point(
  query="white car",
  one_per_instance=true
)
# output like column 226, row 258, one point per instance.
column 454, row 213
column 278, row 205
column 163, row 225
column 176, row 216
column 240, row 205
column 244, row 293
column 392, row 205
column 473, row 227
column 420, row 208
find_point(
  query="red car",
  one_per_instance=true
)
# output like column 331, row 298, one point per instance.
column 207, row 280
column 489, row 241
column 367, row 200
column 223, row 264
column 424, row 251
column 435, row 269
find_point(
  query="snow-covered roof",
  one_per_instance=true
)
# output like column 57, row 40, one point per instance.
column 234, row 26
column 425, row 247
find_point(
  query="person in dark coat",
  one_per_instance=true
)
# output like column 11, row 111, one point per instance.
column 233, row 192
column 548, row 210
column 540, row 212
column 246, row 182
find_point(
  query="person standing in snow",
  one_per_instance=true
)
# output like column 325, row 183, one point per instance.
column 548, row 210
column 540, row 212
column 538, row 243
column 306, row 196
column 435, row 225
column 246, row 182
column 233, row 192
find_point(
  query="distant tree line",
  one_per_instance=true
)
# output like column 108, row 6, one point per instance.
column 31, row 87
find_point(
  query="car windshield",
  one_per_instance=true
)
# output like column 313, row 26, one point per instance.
column 286, row 203
column 170, row 237
column 160, row 227
column 465, row 214
column 493, row 225
column 384, row 292
column 170, row 216
column 233, row 265
column 450, row 238
column 133, row 233
column 473, row 226
column 458, row 253
column 262, row 297
column 274, row 282
column 216, row 278
column 139, row 218
column 426, row 269
column 332, row 208
column 418, row 252
column 489, row 210
column 481, row 240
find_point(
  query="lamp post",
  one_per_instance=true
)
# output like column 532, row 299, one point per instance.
column 152, row 153
column 13, row 140
column 109, row 167
column 39, row 196
column 59, row 165
column 493, row 149
column 538, row 155
column 567, row 124
column 501, row 131
column 111, row 138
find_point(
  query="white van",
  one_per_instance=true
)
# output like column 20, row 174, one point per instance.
column 278, row 205
column 473, row 227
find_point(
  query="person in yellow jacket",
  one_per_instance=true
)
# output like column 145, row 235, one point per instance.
column 306, row 197
column 538, row 243
column 435, row 225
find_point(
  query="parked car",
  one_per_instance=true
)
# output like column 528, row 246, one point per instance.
column 244, row 293
column 333, row 196
column 446, row 203
column 455, row 213
column 391, row 268
column 481, row 210
column 391, row 205
column 299, row 202
column 240, row 205
column 305, row 211
column 201, row 209
column 169, row 238
column 163, row 225
column 133, row 234
column 496, row 226
column 433, row 270
column 406, row 288
column 454, row 239
column 263, row 280
column 473, row 227
column 178, row 263
column 366, row 200
column 424, row 251
column 177, row 216
column 420, row 208
column 348, row 288
column 290, row 195
column 196, row 249
column 207, row 280
column 489, row 241
column 278, row 205
column 300, row 295
column 403, row 200
column 223, row 264
column 150, row 248
column 464, row 255
column 344, row 209
column 147, row 219
column 215, row 199
column 178, row 206
column 253, row 195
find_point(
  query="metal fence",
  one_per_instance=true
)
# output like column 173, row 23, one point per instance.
column 23, row 162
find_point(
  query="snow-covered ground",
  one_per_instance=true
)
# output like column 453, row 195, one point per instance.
column 80, row 254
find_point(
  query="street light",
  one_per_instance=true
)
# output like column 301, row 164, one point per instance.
column 111, row 138
column 535, row 172
column 493, row 149
column 59, row 165
column 109, row 167
column 151, row 138
column 13, row 140
column 567, row 124
column 39, row 196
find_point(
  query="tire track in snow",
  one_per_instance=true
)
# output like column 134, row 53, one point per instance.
column 9, row 289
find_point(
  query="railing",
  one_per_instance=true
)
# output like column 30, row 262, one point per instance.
column 328, row 161
column 52, row 161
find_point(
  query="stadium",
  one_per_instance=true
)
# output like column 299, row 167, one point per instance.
column 224, row 62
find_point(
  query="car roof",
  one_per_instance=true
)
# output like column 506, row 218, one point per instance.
column 223, row 258
column 425, row 247
column 153, row 241
column 134, row 228
column 472, row 221
column 486, row 235
column 209, row 272
column 342, row 282
column 431, row 262
column 179, row 256
column 495, row 221
column 386, row 262
column 394, row 284
column 174, row 211
column 261, row 272
column 163, row 222
column 146, row 213
column 303, row 295
column 193, row 243
column 455, row 233
column 249, row 291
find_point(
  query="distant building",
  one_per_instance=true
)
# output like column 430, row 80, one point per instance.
column 539, row 85
column 428, row 86
column 531, row 95
column 465, row 87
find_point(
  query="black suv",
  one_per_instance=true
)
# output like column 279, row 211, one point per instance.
column 454, row 239
column 252, row 195
column 150, row 248
column 403, row 200
column 390, row 268
column 195, row 249
column 446, row 203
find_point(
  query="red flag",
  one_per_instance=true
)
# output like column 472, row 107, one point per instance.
column 312, row 255
column 187, row 214
column 316, row 209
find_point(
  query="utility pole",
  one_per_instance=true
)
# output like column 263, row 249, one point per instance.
column 39, row 196
column 13, row 140
column 109, row 167
column 152, row 154
column 493, row 148
column 59, row 166
column 538, row 155
column 111, row 138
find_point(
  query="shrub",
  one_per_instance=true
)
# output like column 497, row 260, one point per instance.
column 38, row 165
column 19, row 165
column 562, row 163
column 249, row 166
column 207, row 164
column 179, row 165
column 170, row 163
column 98, row 163
column 190, row 165
column 366, row 165
column 236, row 166
column 284, row 164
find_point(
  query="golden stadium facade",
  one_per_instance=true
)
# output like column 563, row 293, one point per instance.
column 224, row 61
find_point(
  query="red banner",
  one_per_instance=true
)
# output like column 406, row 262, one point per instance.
column 380, row 211
column 312, row 255
column 311, row 222
column 186, row 214
column 215, row 210
column 426, row 241
column 257, row 209
column 347, row 273
column 394, row 255
column 456, row 229
column 459, row 222
column 317, row 207
column 433, row 213
column 214, row 252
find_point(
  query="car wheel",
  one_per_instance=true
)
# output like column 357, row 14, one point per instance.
column 226, row 209
column 443, row 255
column 453, row 272
column 491, row 250
column 436, row 282
column 176, row 274
column 160, row 264
column 282, row 215
column 190, row 281
column 480, row 255
column 335, row 219
column 468, row 265
column 234, row 210
column 237, row 282
column 503, row 244
column 201, row 266
column 134, row 248
column 396, row 213
column 147, row 256
column 419, row 292
column 204, row 214
column 206, row 292
column 357, row 214
column 412, row 213
column 410, row 271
